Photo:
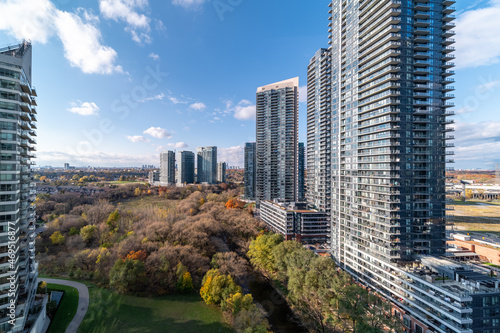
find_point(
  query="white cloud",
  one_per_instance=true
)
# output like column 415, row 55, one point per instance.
column 154, row 56
column 233, row 156
column 244, row 110
column 84, row 108
column 477, row 38
column 82, row 45
column 473, row 140
column 137, row 138
column 198, row 106
column 188, row 3
column 158, row 97
column 471, row 133
column 158, row 132
column 303, row 94
column 39, row 20
column 126, row 10
column 178, row 145
column 175, row 100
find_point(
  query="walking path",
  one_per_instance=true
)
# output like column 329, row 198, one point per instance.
column 83, row 301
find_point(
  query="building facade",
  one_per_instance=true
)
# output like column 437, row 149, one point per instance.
column 221, row 172
column 154, row 177
column 18, row 268
column 301, row 181
column 207, row 165
column 320, row 131
column 277, row 141
column 185, row 167
column 167, row 168
column 250, row 173
column 295, row 221
column 378, row 140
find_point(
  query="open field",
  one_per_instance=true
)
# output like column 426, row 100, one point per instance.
column 149, row 200
column 66, row 310
column 112, row 312
column 476, row 216
column 126, row 183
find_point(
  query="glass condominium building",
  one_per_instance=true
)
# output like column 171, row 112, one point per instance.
column 390, row 76
column 250, row 175
column 379, row 107
column 167, row 168
column 185, row 167
column 320, row 131
column 207, row 165
column 277, row 141
column 18, row 268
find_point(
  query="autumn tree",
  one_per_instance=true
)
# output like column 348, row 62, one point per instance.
column 89, row 233
column 128, row 275
column 57, row 238
column 217, row 288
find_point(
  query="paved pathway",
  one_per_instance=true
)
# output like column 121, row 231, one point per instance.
column 83, row 301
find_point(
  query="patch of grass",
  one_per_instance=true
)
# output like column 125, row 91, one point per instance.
column 112, row 312
column 153, row 200
column 492, row 265
column 66, row 310
column 126, row 182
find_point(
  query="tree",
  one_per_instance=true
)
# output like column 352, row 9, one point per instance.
column 128, row 275
column 137, row 192
column 235, row 203
column 88, row 233
column 112, row 221
column 57, row 238
column 237, row 302
column 261, row 251
column 185, row 283
column 217, row 288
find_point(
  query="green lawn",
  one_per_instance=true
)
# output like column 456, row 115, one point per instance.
column 111, row 312
column 66, row 310
column 490, row 264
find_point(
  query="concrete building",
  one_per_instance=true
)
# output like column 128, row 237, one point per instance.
column 207, row 165
column 320, row 132
column 301, row 184
column 378, row 116
column 250, row 174
column 18, row 268
column 167, row 168
column 295, row 221
column 154, row 177
column 185, row 167
column 277, row 141
column 486, row 248
column 221, row 172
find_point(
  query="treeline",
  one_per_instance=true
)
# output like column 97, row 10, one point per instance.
column 146, row 249
column 324, row 297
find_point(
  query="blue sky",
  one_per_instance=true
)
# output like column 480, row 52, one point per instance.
column 121, row 80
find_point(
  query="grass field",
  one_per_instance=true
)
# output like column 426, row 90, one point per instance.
column 66, row 310
column 476, row 216
column 126, row 182
column 150, row 200
column 111, row 312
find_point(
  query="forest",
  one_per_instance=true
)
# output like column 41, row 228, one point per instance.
column 148, row 241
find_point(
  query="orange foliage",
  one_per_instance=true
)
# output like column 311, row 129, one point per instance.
column 136, row 255
column 235, row 203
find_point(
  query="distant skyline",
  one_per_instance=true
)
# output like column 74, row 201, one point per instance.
column 119, row 81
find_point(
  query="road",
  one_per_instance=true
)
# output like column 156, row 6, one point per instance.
column 83, row 301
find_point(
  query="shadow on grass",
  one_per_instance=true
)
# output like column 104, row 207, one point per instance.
column 111, row 312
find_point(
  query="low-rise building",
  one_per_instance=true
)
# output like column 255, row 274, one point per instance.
column 487, row 249
column 295, row 221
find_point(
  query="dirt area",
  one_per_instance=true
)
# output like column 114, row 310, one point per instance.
column 477, row 216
